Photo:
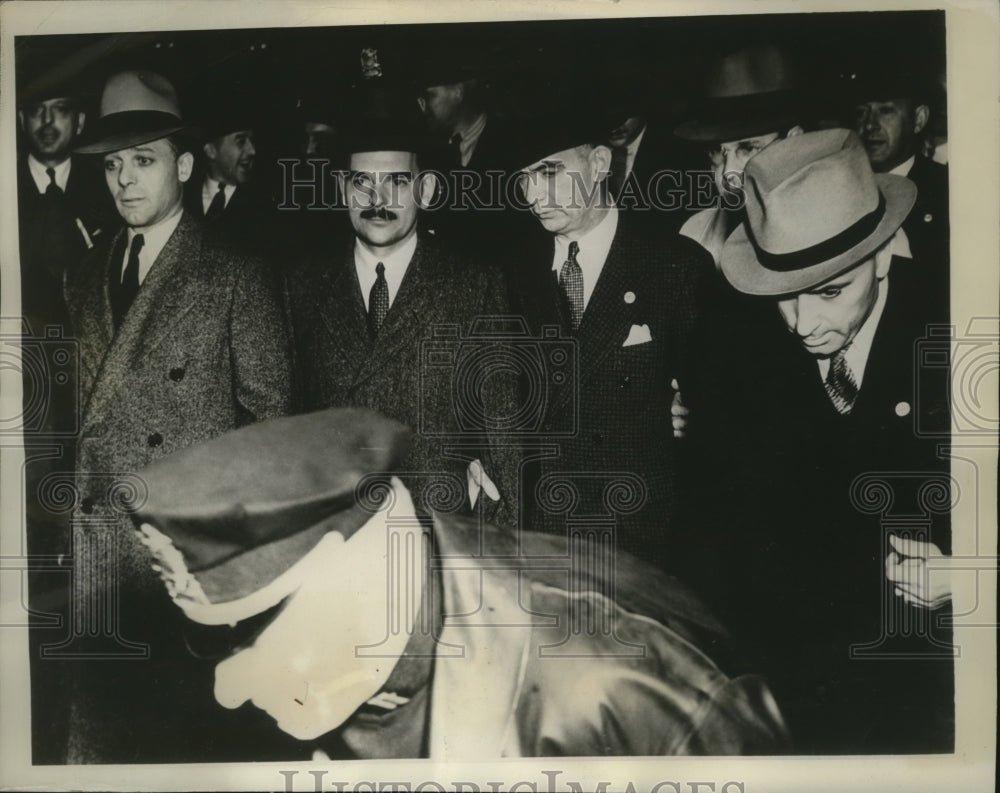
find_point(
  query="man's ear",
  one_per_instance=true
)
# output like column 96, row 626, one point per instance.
column 185, row 164
column 600, row 162
column 921, row 115
column 81, row 120
column 210, row 150
column 427, row 183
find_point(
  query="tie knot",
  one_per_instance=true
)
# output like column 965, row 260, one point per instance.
column 137, row 242
column 51, row 174
column 574, row 249
column 380, row 269
column 222, row 187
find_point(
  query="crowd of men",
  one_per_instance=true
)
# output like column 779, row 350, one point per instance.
column 548, row 327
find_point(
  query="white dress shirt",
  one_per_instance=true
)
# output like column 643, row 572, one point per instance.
column 153, row 240
column 856, row 354
column 208, row 190
column 594, row 247
column 41, row 178
column 365, row 261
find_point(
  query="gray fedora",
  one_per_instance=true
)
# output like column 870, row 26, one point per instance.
column 136, row 107
column 814, row 210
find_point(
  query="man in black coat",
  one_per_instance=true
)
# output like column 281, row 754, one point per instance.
column 625, row 304
column 808, row 421
column 384, row 322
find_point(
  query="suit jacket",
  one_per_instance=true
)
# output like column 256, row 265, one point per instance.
column 203, row 349
column 248, row 224
column 407, row 372
column 50, row 239
column 610, row 414
column 927, row 226
column 787, row 524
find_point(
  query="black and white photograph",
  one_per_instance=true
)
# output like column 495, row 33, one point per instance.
column 499, row 396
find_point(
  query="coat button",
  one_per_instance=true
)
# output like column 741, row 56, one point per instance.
column 928, row 217
column 155, row 440
column 903, row 409
column 87, row 506
column 177, row 374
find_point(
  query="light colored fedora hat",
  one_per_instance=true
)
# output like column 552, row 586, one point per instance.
column 136, row 107
column 752, row 91
column 814, row 210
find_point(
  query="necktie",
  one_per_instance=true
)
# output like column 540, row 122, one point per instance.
column 218, row 204
column 52, row 188
column 571, row 282
column 619, row 170
column 123, row 296
column 455, row 149
column 378, row 301
column 840, row 384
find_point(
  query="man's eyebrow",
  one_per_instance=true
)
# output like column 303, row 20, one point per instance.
column 544, row 165
column 839, row 283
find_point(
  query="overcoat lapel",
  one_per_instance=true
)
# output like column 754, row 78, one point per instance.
column 163, row 300
column 343, row 310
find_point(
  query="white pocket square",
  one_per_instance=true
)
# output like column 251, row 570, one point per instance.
column 637, row 334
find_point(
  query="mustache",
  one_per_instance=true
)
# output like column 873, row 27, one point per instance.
column 378, row 213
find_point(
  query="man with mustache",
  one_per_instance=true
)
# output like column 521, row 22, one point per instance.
column 364, row 312
column 181, row 340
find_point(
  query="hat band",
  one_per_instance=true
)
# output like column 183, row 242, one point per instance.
column 823, row 251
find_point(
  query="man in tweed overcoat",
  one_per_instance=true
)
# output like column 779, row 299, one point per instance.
column 179, row 342
column 385, row 322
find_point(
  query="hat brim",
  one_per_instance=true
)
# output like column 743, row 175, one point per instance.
column 743, row 270
column 722, row 119
column 133, row 128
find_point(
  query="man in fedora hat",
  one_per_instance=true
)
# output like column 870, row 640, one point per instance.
column 810, row 391
column 180, row 341
column 750, row 101
column 892, row 111
column 225, row 188
column 365, row 310
column 367, row 629
column 628, row 302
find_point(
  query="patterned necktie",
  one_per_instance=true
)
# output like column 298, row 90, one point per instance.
column 52, row 188
column 378, row 301
column 123, row 296
column 840, row 384
column 571, row 282
column 218, row 204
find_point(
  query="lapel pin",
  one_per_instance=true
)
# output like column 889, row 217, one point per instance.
column 630, row 297
column 903, row 409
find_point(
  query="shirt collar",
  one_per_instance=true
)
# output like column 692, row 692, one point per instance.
column 41, row 178
column 210, row 187
column 903, row 169
column 594, row 248
column 857, row 352
column 153, row 240
column 396, row 265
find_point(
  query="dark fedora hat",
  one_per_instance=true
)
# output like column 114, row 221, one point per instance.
column 136, row 107
column 752, row 91
column 814, row 210
column 227, row 519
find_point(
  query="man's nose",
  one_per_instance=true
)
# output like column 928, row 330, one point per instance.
column 806, row 316
column 869, row 120
column 47, row 115
column 249, row 149
column 126, row 175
